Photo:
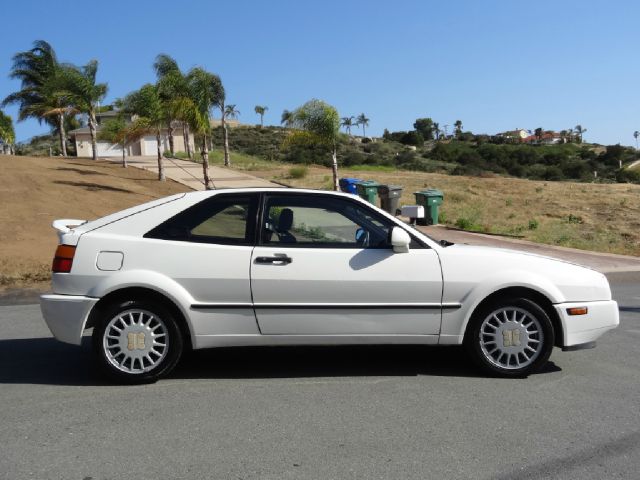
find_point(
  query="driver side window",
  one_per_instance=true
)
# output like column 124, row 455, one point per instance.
column 316, row 221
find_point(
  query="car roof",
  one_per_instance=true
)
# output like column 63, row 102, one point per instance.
column 207, row 193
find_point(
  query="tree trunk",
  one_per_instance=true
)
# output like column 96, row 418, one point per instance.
column 364, row 132
column 334, row 167
column 92, row 130
column 205, row 163
column 124, row 156
column 225, row 134
column 170, row 133
column 161, row 176
column 61, row 133
column 187, row 140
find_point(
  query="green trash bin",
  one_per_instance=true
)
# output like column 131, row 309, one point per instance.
column 368, row 190
column 430, row 199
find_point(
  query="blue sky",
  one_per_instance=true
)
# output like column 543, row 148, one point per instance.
column 495, row 65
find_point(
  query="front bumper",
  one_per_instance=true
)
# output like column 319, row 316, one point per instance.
column 66, row 315
column 582, row 329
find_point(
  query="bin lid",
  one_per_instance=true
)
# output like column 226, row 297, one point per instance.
column 389, row 188
column 350, row 180
column 369, row 183
column 430, row 192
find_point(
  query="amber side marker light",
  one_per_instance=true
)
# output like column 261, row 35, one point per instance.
column 63, row 259
column 577, row 311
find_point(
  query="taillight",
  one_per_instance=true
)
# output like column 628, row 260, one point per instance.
column 63, row 259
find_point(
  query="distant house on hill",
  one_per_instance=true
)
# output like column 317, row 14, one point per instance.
column 548, row 138
column 518, row 134
column 145, row 146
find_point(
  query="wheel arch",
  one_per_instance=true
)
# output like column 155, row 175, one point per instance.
column 143, row 293
column 522, row 292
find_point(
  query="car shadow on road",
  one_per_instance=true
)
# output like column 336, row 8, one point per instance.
column 338, row 361
column 49, row 362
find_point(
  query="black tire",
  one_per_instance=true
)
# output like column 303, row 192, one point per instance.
column 156, row 363
column 505, row 354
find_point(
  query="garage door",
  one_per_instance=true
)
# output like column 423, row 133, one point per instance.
column 150, row 145
column 106, row 149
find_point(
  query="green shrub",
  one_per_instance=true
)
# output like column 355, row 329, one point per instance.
column 298, row 172
column 533, row 224
column 464, row 223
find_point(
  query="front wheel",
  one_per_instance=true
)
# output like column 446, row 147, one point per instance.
column 510, row 337
column 137, row 341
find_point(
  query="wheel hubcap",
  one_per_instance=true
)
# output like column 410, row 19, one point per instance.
column 511, row 338
column 135, row 341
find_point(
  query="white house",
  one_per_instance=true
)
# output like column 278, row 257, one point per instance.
column 146, row 146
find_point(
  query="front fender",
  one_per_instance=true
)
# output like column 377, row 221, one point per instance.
column 471, row 292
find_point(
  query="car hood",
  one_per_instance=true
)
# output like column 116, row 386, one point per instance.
column 561, row 279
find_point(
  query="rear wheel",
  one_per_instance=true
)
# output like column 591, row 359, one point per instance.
column 137, row 341
column 510, row 337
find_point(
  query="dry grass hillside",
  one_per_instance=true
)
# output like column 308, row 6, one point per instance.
column 598, row 217
column 35, row 191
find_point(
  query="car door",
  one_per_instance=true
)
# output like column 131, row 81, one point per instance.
column 323, row 266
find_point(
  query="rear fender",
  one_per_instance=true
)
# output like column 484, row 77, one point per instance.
column 149, row 280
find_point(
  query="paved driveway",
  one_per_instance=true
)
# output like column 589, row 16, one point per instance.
column 292, row 413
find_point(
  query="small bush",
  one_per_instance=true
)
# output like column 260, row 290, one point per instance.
column 298, row 172
column 533, row 224
column 464, row 223
column 575, row 219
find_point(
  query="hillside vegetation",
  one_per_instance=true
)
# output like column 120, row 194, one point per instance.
column 476, row 157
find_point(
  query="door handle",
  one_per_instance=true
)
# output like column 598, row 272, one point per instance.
column 281, row 259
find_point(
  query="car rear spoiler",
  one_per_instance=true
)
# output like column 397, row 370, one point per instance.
column 62, row 225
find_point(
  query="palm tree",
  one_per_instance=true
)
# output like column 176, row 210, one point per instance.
column 115, row 131
column 580, row 132
column 41, row 95
column 636, row 134
column 458, row 128
column 172, row 87
column 230, row 111
column 570, row 133
column 261, row 110
column 539, row 133
column 206, row 92
column 347, row 123
column 286, row 118
column 436, row 130
column 363, row 121
column 319, row 123
column 86, row 95
column 7, row 133
column 152, row 117
column 563, row 136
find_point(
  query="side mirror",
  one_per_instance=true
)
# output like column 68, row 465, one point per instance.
column 400, row 240
column 362, row 237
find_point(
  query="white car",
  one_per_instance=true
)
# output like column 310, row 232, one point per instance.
column 304, row 267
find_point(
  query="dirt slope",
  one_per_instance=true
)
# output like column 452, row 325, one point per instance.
column 35, row 191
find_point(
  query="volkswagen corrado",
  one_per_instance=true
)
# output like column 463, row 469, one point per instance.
column 302, row 267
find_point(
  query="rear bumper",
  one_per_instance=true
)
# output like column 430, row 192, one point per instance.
column 66, row 315
column 584, row 329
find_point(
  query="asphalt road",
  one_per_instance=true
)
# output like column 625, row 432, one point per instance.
column 292, row 413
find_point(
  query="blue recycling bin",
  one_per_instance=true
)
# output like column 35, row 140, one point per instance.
column 348, row 185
